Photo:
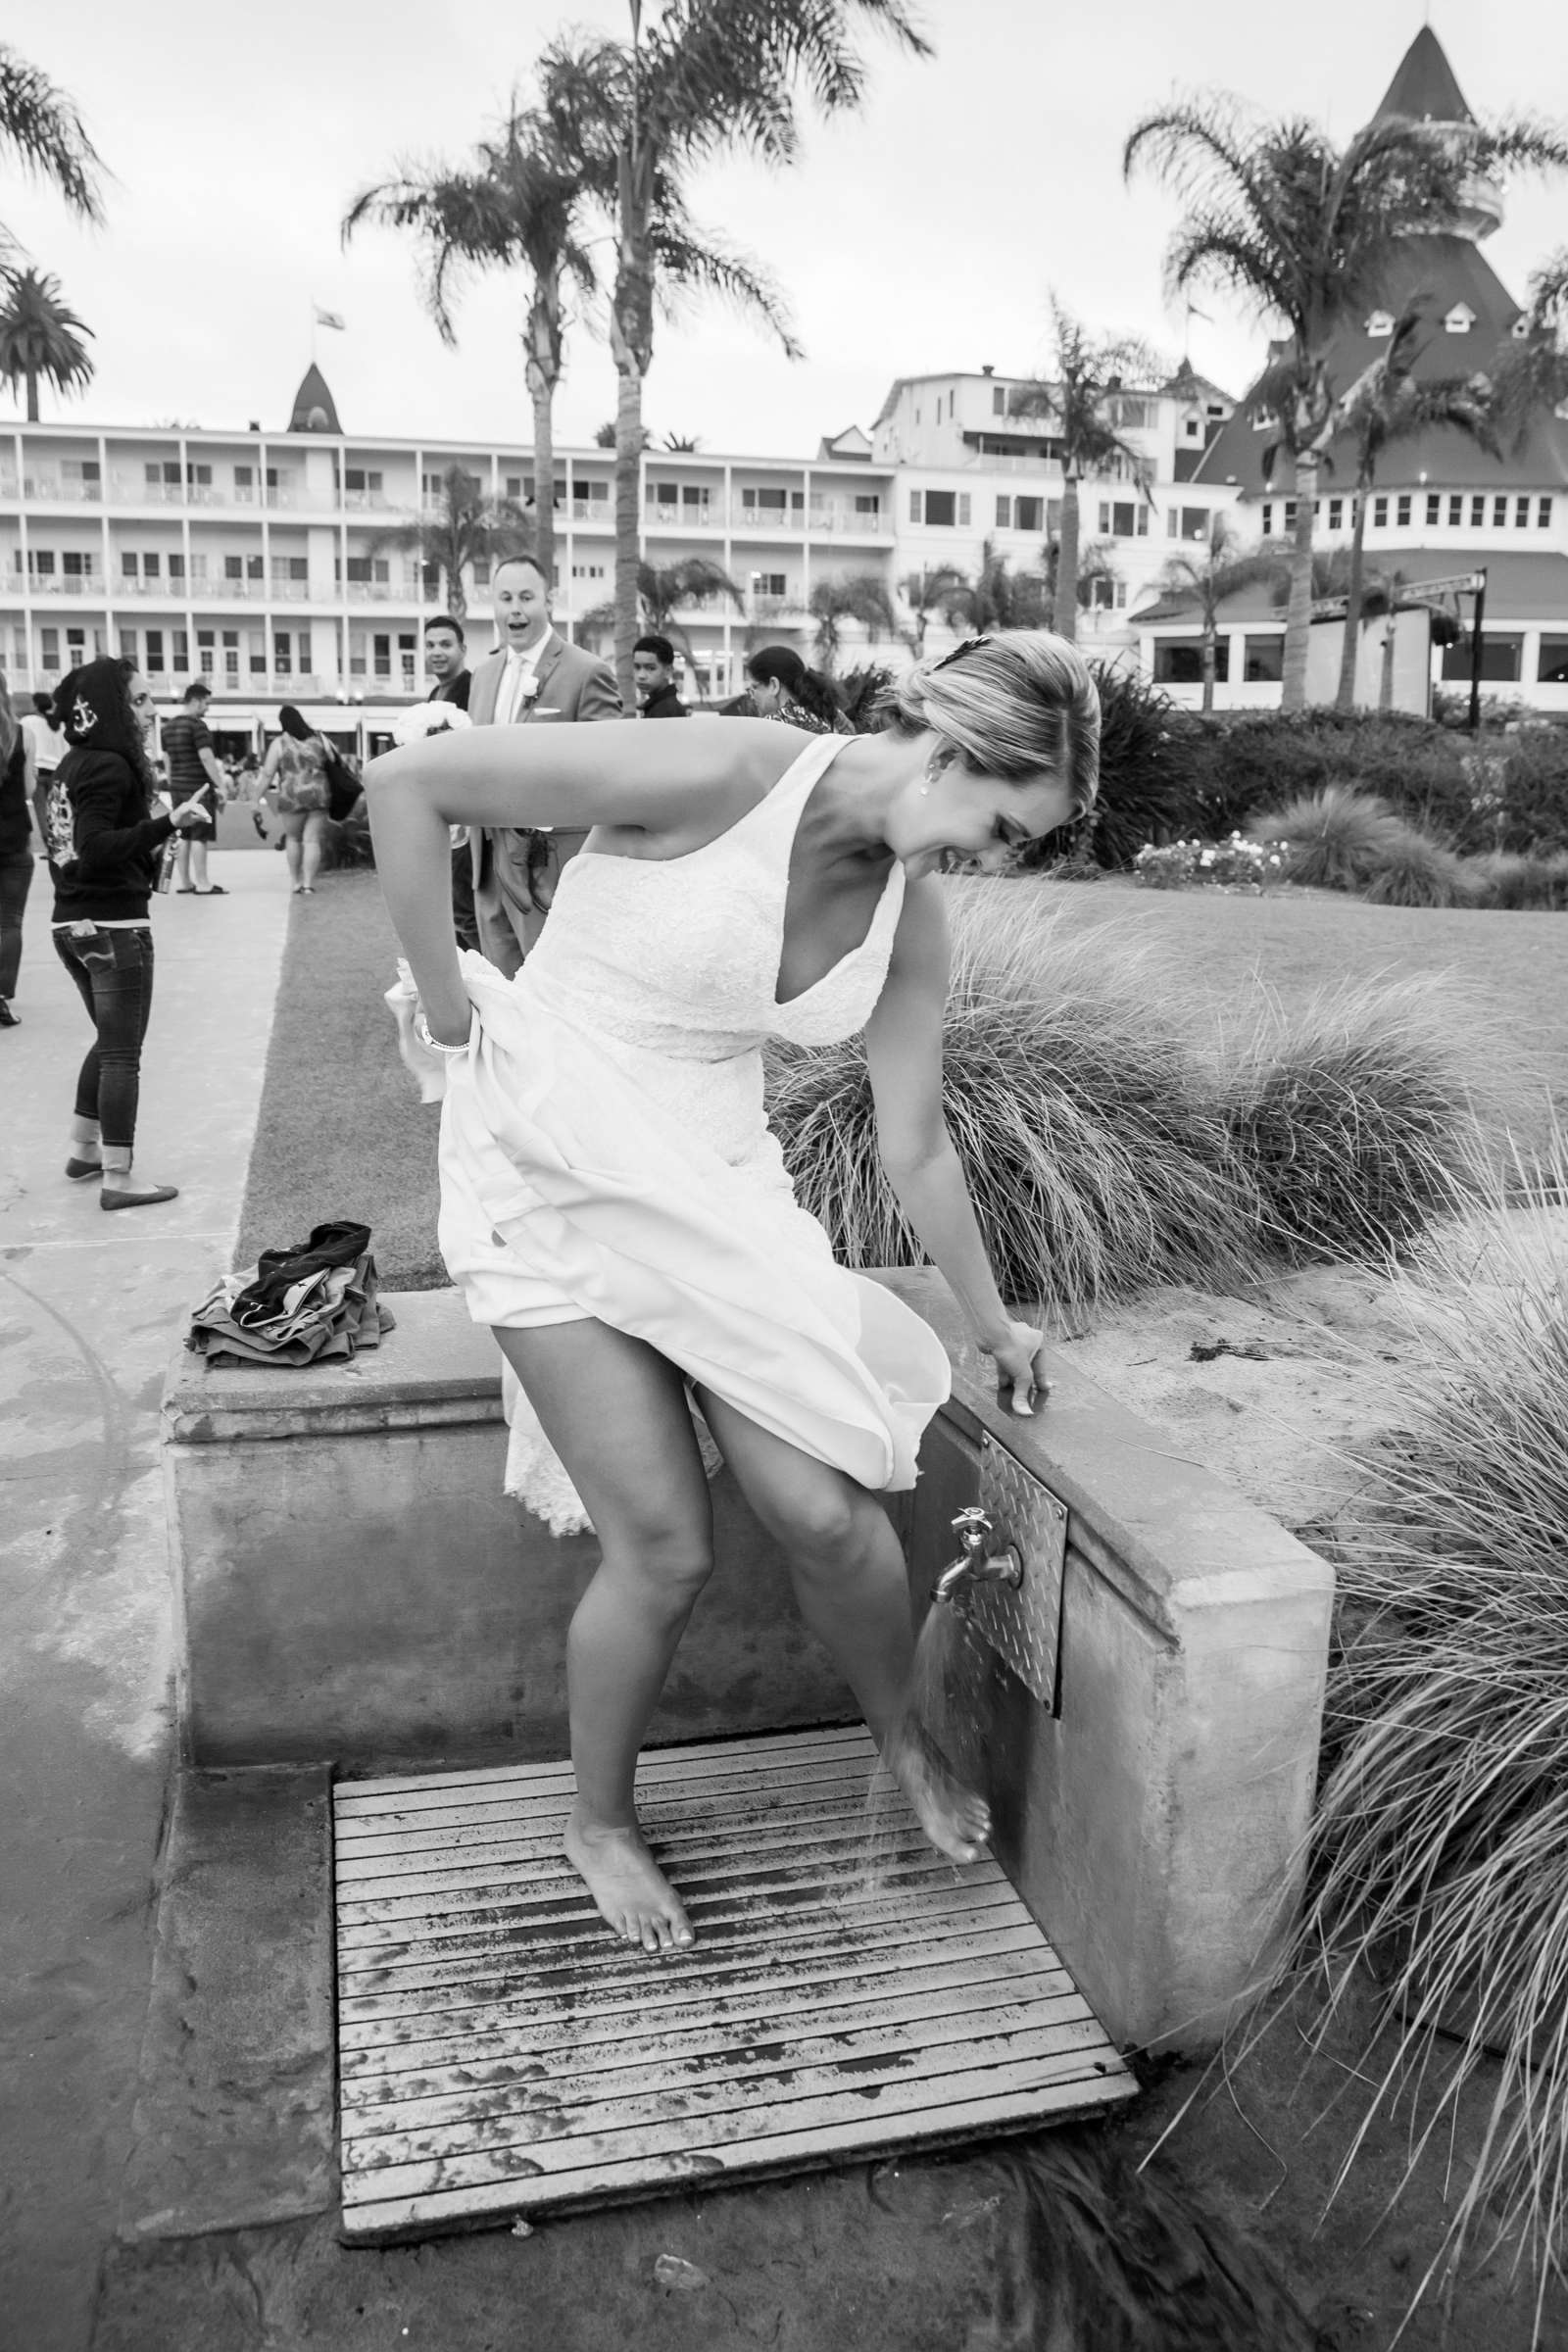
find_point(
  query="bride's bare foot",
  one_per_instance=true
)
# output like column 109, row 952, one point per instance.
column 630, row 1890
column 955, row 1820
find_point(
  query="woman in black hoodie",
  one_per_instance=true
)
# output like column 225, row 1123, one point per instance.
column 105, row 835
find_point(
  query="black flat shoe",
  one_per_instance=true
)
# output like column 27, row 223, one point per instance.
column 78, row 1170
column 8, row 1020
column 214, row 890
column 147, row 1199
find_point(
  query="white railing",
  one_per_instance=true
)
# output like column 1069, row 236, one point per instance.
column 60, row 488
column 72, row 583
column 846, row 523
column 381, row 592
column 593, row 510
column 683, row 517
column 777, row 608
column 371, row 500
column 770, row 519
column 178, row 591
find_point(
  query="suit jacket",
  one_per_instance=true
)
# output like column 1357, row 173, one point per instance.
column 571, row 685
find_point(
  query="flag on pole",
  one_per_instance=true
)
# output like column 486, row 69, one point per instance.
column 330, row 318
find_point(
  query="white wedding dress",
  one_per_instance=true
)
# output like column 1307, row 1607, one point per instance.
column 605, row 1152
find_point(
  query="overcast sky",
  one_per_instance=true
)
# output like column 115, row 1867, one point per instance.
column 922, row 234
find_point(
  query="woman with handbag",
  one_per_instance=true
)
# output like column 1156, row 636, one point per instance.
column 298, row 776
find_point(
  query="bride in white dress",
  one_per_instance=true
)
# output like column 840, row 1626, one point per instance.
column 615, row 1207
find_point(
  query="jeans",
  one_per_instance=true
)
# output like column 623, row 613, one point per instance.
column 16, row 880
column 114, row 975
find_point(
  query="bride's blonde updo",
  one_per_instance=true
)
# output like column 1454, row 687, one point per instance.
column 1017, row 704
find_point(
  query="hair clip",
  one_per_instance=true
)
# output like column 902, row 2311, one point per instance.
column 968, row 647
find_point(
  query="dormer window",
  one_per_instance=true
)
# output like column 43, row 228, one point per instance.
column 1520, row 330
column 1460, row 320
column 1380, row 325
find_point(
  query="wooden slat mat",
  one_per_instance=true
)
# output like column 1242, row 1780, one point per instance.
column 849, row 1991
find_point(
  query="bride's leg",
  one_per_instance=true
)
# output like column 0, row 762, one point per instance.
column 615, row 1412
column 854, row 1591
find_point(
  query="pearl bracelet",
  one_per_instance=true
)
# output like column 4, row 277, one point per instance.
column 421, row 1030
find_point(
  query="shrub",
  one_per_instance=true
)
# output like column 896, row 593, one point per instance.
column 1234, row 865
column 1514, row 882
column 1086, row 1123
column 1535, row 791
column 1335, row 839
column 1442, row 1826
column 861, row 692
column 1360, row 1119
column 1414, row 870
column 1146, row 778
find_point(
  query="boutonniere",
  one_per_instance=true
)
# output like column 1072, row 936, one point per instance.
column 528, row 687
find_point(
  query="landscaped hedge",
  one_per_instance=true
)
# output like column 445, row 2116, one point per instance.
column 1168, row 774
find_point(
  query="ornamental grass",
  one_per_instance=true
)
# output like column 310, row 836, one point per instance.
column 1441, row 1834
column 1514, row 882
column 1088, row 1123
column 1414, row 870
column 1359, row 1117
column 1336, row 839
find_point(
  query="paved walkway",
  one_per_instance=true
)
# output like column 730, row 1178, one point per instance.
column 90, row 1310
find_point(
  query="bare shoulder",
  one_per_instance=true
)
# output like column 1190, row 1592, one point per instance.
column 709, row 777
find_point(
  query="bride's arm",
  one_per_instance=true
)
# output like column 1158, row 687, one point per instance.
column 533, row 775
column 903, row 1052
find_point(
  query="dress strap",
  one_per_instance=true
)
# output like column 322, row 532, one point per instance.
column 781, row 807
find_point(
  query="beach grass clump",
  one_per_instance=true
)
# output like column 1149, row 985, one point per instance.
column 1517, row 881
column 1414, row 870
column 1441, row 1863
column 1087, row 1120
column 1360, row 1118
column 1335, row 839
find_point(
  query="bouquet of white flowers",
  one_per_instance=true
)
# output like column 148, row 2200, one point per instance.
column 427, row 718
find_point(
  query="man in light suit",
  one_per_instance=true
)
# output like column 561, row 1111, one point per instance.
column 534, row 679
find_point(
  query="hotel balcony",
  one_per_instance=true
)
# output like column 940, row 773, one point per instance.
column 54, row 583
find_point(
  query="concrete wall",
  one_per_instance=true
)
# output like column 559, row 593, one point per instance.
column 354, row 1586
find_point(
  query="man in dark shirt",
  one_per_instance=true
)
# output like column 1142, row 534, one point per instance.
column 446, row 660
column 653, row 666
column 194, row 775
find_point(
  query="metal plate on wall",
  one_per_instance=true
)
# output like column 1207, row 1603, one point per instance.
column 1022, row 1624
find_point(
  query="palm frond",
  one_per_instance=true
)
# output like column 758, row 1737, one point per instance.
column 41, row 128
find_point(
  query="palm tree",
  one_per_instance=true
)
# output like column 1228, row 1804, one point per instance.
column 41, row 130
column 467, row 526
column 1382, row 408
column 703, row 79
column 925, row 593
column 1530, row 377
column 662, row 590
column 998, row 598
column 40, row 337
column 859, row 596
column 519, row 205
column 1088, row 372
column 1314, row 235
column 1206, row 577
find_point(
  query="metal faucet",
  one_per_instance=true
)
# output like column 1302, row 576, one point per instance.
column 975, row 1565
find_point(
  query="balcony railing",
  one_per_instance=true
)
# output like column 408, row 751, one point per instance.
column 777, row 608
column 770, row 520
column 683, row 517
column 57, row 487
column 846, row 523
column 56, row 584
column 383, row 592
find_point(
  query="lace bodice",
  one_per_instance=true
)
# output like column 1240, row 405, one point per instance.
column 679, row 957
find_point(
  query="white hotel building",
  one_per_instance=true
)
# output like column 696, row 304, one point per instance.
column 251, row 558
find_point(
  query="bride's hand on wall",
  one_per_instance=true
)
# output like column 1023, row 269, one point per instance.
column 1020, row 1368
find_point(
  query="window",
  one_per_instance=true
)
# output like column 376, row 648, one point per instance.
column 1434, row 507
column 200, row 477
column 128, row 645
column 407, row 648
column 1544, row 515
column 667, row 494
column 381, row 656
column 49, row 645
column 282, row 654
column 41, row 562
column 430, row 487
column 75, row 565
column 999, row 401
column 1029, row 515
column 153, row 653
column 1460, row 320
column 1268, row 520
column 129, row 563
column 769, row 583
column 1380, row 513
column 355, row 477
column 291, row 568
column 1401, row 513
column 1195, row 522
column 1127, row 520
column 1521, row 514
column 363, row 569
column 1552, row 664
column 941, row 509
column 1380, row 323
column 231, row 657
column 766, row 500
column 158, row 474
column 587, row 572
column 182, row 651
column 206, row 658
column 1004, row 514
column 964, row 509
column 84, row 470
column 176, row 567
column 198, row 568
column 1336, row 514
column 1478, row 512
column 916, row 503
column 1192, row 428
column 1179, row 660
column 151, row 567
column 1455, row 510
column 1500, row 513
column 256, row 653
column 1290, row 514
column 245, row 478
column 1501, row 658
column 694, row 495
column 868, row 502
column 481, row 571
column 1262, row 660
